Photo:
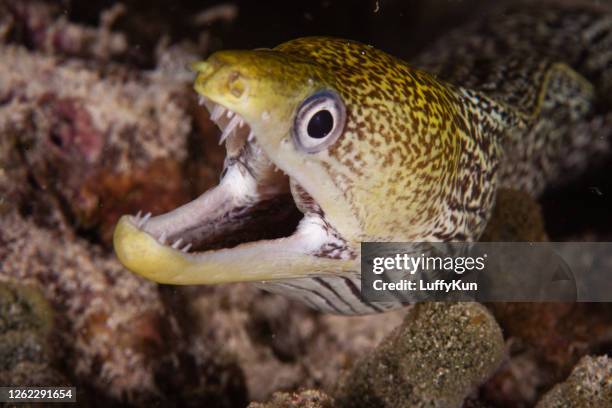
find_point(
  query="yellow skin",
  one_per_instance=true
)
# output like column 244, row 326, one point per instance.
column 392, row 174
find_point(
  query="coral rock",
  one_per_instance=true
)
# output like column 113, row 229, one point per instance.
column 279, row 344
column 303, row 399
column 440, row 354
column 113, row 334
column 589, row 385
column 100, row 139
column 26, row 320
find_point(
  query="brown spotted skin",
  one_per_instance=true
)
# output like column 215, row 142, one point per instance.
column 551, row 62
column 519, row 115
column 418, row 157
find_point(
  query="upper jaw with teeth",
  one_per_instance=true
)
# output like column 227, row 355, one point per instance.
column 140, row 222
column 205, row 240
column 191, row 226
column 176, row 228
column 233, row 121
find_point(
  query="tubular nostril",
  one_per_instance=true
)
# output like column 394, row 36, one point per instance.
column 205, row 70
column 201, row 67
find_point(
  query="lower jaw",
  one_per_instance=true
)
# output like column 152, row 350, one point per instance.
column 278, row 259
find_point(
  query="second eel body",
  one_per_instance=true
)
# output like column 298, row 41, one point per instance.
column 370, row 148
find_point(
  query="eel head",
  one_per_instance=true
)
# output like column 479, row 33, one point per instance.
column 329, row 143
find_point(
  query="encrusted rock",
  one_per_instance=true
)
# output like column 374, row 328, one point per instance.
column 439, row 355
column 26, row 320
column 102, row 140
column 279, row 344
column 589, row 385
column 546, row 339
column 303, row 399
column 113, row 333
column 43, row 26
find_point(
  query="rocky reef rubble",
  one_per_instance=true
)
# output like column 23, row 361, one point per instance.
column 589, row 385
column 303, row 399
column 93, row 140
column 465, row 354
column 110, row 331
column 441, row 356
column 26, row 320
column 44, row 28
column 437, row 357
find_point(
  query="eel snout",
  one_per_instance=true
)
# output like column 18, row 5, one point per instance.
column 248, row 228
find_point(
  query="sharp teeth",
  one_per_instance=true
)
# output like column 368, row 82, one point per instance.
column 162, row 238
column 229, row 128
column 138, row 217
column 144, row 220
column 186, row 248
column 217, row 112
column 177, row 243
column 229, row 114
column 251, row 136
column 241, row 123
column 201, row 100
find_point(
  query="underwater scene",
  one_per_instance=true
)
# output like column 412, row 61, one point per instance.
column 307, row 204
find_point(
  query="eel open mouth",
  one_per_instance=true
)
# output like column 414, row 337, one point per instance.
column 248, row 228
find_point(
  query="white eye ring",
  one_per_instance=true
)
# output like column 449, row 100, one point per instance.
column 319, row 121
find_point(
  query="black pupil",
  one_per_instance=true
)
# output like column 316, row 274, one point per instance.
column 320, row 124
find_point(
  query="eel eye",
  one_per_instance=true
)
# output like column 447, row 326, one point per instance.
column 319, row 121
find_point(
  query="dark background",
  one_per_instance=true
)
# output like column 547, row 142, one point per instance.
column 399, row 27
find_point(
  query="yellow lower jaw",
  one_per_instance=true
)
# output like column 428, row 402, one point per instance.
column 261, row 261
column 142, row 254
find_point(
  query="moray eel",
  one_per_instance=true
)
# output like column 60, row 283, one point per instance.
column 370, row 148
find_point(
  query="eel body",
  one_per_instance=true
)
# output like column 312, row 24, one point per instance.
column 331, row 143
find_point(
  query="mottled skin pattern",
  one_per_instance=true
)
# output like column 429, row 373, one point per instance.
column 523, row 108
column 407, row 138
column 519, row 115
column 520, row 100
column 552, row 64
